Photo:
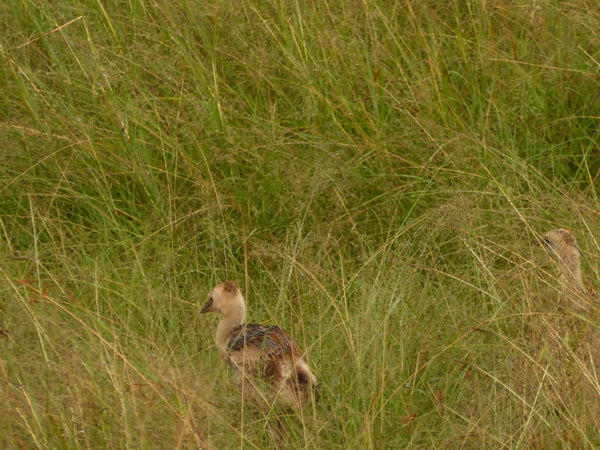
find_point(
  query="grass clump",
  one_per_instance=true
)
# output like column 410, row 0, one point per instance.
column 370, row 173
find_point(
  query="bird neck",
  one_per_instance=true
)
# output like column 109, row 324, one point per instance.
column 570, row 268
column 572, row 280
column 233, row 319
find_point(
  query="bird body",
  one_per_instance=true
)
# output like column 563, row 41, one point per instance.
column 562, row 245
column 269, row 367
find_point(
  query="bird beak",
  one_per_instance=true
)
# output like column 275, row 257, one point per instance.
column 543, row 241
column 208, row 306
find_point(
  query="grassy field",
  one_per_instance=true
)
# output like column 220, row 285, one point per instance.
column 371, row 173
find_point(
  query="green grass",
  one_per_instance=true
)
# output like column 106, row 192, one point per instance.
column 371, row 173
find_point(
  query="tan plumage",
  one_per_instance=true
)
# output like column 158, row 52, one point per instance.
column 562, row 245
column 269, row 367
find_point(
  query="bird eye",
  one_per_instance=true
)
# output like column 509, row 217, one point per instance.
column 302, row 378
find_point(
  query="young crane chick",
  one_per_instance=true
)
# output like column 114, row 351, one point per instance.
column 562, row 245
column 269, row 367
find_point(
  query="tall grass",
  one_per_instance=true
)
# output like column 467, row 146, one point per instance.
column 370, row 173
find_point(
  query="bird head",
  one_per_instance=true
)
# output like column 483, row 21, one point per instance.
column 224, row 299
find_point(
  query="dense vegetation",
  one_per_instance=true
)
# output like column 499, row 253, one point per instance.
column 370, row 172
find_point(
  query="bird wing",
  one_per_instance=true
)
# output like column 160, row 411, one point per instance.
column 261, row 349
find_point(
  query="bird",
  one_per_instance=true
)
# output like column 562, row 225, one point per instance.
column 269, row 367
column 562, row 245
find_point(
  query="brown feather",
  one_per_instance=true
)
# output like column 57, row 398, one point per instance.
column 229, row 287
column 258, row 348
